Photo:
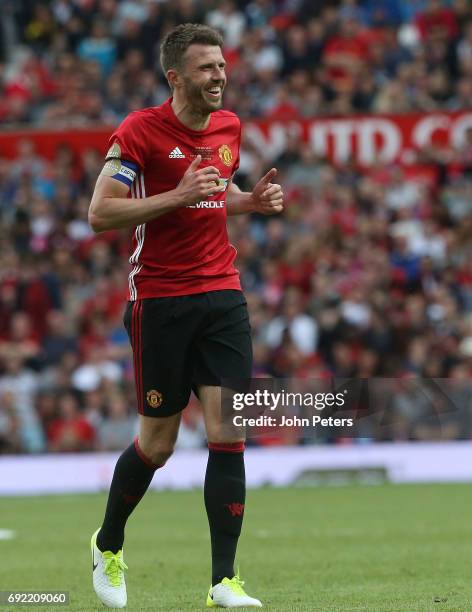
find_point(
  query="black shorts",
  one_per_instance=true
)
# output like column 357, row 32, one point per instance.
column 185, row 341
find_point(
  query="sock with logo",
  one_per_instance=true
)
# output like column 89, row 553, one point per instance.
column 131, row 479
column 225, row 496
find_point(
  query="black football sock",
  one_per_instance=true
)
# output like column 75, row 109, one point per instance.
column 225, row 496
column 131, row 479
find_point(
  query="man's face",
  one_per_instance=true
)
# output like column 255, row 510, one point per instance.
column 203, row 77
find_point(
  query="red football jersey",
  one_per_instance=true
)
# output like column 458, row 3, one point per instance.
column 187, row 250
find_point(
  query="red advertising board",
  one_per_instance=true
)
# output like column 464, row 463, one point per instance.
column 47, row 141
column 366, row 138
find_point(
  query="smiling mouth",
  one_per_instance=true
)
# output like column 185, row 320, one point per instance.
column 214, row 92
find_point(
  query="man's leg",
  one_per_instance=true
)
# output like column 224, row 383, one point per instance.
column 225, row 498
column 225, row 485
column 133, row 474
column 151, row 329
column 222, row 351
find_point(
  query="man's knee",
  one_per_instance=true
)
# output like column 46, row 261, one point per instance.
column 157, row 453
column 157, row 438
column 223, row 432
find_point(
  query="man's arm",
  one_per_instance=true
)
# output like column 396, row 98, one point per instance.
column 266, row 198
column 238, row 202
column 111, row 209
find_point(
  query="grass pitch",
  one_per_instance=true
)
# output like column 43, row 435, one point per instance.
column 375, row 548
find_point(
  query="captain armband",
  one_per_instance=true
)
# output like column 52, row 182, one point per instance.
column 121, row 170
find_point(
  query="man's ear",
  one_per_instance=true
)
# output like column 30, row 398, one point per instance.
column 173, row 78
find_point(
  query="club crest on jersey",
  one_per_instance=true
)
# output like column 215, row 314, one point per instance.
column 154, row 398
column 225, row 155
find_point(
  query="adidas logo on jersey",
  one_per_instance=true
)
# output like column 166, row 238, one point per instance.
column 176, row 153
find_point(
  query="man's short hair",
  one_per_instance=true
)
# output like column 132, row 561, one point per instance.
column 178, row 40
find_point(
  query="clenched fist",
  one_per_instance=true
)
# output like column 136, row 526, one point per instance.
column 198, row 184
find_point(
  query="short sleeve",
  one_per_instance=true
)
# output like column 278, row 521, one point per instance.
column 127, row 141
column 236, row 161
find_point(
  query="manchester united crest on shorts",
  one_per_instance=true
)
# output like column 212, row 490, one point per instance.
column 154, row 398
column 225, row 155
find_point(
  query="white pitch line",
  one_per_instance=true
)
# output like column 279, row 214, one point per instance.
column 7, row 534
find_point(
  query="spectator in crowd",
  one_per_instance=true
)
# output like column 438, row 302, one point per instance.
column 300, row 328
column 59, row 339
column 118, row 427
column 99, row 47
column 10, row 436
column 19, row 385
column 69, row 431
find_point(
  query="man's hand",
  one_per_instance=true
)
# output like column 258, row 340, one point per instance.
column 267, row 197
column 197, row 185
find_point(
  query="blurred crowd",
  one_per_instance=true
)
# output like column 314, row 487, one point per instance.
column 71, row 62
column 367, row 273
